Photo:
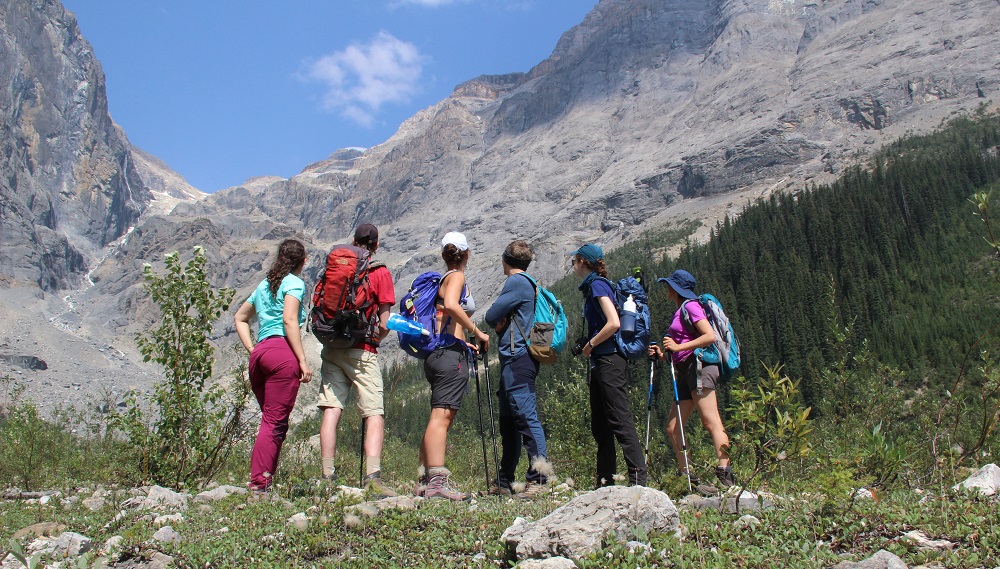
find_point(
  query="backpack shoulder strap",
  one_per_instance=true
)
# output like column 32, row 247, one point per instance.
column 685, row 315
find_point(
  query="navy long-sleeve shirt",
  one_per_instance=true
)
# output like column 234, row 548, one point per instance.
column 516, row 300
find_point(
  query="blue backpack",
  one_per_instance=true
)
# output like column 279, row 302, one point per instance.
column 725, row 351
column 418, row 305
column 548, row 332
column 633, row 346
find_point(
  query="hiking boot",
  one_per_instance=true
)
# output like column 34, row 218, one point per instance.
column 533, row 490
column 694, row 478
column 374, row 485
column 500, row 488
column 421, row 488
column 439, row 487
column 725, row 475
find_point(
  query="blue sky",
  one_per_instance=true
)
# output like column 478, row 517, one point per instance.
column 224, row 90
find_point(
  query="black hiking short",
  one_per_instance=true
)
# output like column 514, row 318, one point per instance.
column 447, row 370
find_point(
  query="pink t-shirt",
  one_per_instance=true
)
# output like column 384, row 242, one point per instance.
column 680, row 333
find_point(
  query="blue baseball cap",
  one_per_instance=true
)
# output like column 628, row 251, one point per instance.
column 589, row 252
column 682, row 282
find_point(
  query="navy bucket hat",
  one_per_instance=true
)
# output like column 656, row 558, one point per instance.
column 682, row 282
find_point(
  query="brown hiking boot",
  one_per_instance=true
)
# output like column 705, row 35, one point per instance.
column 725, row 475
column 533, row 490
column 373, row 484
column 439, row 487
column 499, row 489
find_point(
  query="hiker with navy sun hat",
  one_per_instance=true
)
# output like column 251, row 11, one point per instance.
column 695, row 382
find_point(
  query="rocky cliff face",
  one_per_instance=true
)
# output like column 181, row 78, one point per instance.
column 646, row 110
column 69, row 186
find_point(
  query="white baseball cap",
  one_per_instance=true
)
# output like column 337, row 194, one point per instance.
column 457, row 239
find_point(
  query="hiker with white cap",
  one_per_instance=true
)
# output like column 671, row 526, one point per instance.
column 690, row 330
column 447, row 367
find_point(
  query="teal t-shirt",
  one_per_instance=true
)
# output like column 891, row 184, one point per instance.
column 270, row 309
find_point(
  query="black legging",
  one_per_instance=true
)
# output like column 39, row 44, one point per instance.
column 611, row 418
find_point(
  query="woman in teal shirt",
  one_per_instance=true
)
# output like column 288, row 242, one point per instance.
column 277, row 362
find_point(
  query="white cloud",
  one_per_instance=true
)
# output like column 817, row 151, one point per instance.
column 361, row 78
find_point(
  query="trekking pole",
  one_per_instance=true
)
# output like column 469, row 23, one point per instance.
column 493, row 427
column 482, row 429
column 649, row 401
column 361, row 454
column 680, row 422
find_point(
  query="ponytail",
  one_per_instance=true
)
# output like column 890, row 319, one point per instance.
column 291, row 254
column 597, row 266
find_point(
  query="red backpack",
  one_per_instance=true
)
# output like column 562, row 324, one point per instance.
column 341, row 315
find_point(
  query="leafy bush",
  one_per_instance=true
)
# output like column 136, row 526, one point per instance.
column 192, row 425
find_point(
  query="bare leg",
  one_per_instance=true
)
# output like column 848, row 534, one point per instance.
column 432, row 448
column 708, row 408
column 687, row 407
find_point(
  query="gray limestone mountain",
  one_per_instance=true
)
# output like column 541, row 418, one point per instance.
column 647, row 112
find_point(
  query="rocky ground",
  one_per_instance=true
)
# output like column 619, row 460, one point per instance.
column 155, row 527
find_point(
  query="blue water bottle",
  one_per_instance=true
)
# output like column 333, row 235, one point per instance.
column 400, row 324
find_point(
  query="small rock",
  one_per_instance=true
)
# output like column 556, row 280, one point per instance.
column 986, row 480
column 550, row 563
column 864, row 494
column 166, row 534
column 160, row 561
column 479, row 557
column 39, row 530
column 925, row 543
column 881, row 560
column 350, row 491
column 366, row 509
column 638, row 546
column 746, row 521
column 160, row 497
column 94, row 503
column 299, row 521
column 219, row 493
column 70, row 544
column 114, row 543
column 167, row 520
column 44, row 500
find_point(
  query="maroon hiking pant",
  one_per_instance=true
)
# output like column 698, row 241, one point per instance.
column 274, row 378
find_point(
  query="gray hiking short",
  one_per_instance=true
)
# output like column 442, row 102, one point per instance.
column 447, row 370
column 687, row 377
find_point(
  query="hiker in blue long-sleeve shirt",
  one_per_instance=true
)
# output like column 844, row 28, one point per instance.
column 512, row 315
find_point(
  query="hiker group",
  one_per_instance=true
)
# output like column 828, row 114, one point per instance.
column 351, row 316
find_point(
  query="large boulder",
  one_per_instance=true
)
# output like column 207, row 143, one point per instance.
column 986, row 480
column 581, row 526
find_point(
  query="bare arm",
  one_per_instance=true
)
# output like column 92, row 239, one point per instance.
column 290, row 317
column 245, row 313
column 611, row 325
column 383, row 320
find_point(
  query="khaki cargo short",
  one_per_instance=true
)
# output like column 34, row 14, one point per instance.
column 343, row 368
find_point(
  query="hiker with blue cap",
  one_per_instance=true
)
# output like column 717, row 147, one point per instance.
column 695, row 382
column 610, row 412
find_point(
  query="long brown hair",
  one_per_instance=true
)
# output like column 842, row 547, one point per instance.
column 291, row 254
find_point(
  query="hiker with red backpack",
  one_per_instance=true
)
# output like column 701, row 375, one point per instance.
column 277, row 361
column 447, row 367
column 352, row 302
column 695, row 380
column 611, row 415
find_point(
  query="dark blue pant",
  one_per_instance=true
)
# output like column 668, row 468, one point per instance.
column 519, row 423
